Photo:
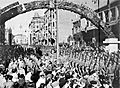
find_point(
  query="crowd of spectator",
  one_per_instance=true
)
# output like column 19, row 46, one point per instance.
column 84, row 69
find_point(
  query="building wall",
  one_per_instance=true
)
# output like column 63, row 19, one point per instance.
column 109, row 14
column 20, row 39
column 8, row 36
column 36, row 30
column 50, row 25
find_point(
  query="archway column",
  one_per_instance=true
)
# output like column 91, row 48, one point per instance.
column 2, row 34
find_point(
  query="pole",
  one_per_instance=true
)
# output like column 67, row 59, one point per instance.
column 57, row 31
column 98, row 35
column 99, row 24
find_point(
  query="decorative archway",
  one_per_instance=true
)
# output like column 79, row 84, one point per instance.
column 15, row 9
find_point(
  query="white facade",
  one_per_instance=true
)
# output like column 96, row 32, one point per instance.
column 7, row 36
column 36, row 30
column 20, row 39
column 113, row 44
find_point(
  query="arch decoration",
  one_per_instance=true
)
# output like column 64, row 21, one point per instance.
column 16, row 8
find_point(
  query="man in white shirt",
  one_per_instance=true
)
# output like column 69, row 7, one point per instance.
column 2, row 80
column 21, row 71
column 28, row 76
column 41, row 80
column 15, row 75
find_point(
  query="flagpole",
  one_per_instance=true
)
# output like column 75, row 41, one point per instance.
column 99, row 35
column 57, row 31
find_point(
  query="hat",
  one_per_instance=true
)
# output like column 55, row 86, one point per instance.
column 21, row 76
column 104, row 82
column 92, row 72
column 82, row 81
column 93, row 82
column 1, row 66
column 10, row 77
column 101, row 76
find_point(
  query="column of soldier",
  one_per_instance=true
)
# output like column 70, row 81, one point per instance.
column 104, row 63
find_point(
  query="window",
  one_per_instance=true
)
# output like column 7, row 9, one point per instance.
column 107, row 16
column 53, row 16
column 48, row 24
column 37, row 26
column 53, row 24
column 101, row 16
column 50, row 15
column 53, row 33
column 33, row 34
column 119, row 10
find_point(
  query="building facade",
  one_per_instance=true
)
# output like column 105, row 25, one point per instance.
column 36, row 32
column 20, row 39
column 50, row 27
column 7, row 36
column 110, row 14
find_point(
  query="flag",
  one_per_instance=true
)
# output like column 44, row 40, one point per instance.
column 117, row 12
column 104, row 17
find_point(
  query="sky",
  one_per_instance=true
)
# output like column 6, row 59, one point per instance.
column 64, row 17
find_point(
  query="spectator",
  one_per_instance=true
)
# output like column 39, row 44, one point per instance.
column 9, row 83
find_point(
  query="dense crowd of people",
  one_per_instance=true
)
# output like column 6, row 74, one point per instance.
column 88, row 68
